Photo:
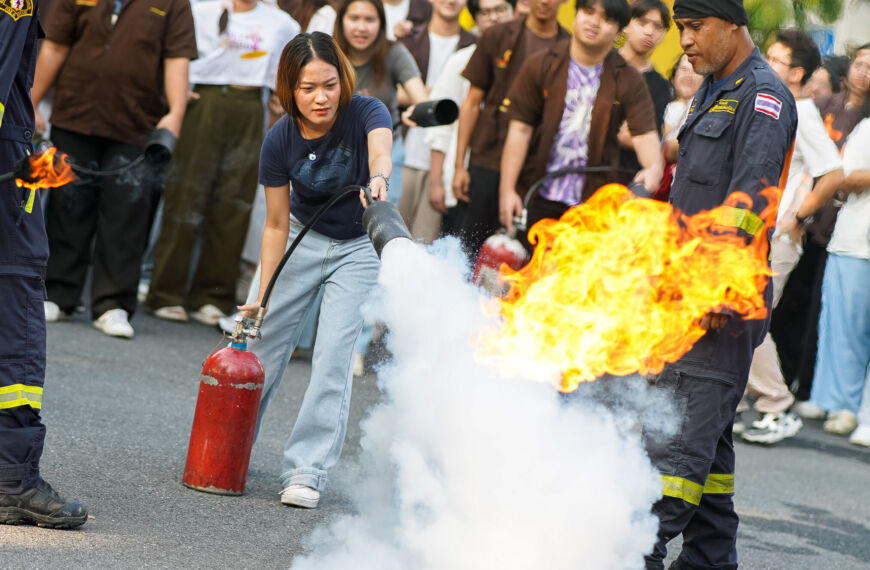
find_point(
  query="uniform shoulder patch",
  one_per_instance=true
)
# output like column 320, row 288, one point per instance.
column 16, row 9
column 768, row 105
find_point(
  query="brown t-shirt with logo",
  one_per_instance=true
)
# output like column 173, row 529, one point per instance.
column 111, row 84
column 537, row 98
column 500, row 53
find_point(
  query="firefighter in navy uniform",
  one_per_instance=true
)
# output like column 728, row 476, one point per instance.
column 24, row 496
column 737, row 137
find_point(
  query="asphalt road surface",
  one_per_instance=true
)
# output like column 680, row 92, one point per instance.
column 119, row 415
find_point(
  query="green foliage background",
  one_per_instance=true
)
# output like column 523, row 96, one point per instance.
column 768, row 16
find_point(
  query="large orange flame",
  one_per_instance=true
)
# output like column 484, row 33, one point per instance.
column 619, row 285
column 46, row 172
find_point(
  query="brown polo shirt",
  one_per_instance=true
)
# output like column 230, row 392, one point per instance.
column 111, row 84
column 501, row 51
column 537, row 98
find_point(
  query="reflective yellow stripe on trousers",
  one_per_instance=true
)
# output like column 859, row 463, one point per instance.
column 20, row 395
column 745, row 220
column 691, row 492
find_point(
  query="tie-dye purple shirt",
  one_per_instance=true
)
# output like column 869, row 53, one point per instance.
column 571, row 145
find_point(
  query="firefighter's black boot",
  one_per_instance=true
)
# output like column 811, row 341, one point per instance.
column 42, row 506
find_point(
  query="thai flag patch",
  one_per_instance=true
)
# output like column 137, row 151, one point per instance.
column 768, row 104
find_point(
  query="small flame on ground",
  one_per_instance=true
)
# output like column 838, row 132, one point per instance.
column 46, row 172
column 618, row 286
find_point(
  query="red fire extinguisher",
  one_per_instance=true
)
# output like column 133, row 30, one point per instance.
column 230, row 387
column 498, row 248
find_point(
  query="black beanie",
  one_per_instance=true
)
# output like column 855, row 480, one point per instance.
column 728, row 10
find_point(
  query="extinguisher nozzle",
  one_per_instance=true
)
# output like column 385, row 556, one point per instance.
column 383, row 223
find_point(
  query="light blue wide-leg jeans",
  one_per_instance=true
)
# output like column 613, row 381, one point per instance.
column 844, row 335
column 346, row 271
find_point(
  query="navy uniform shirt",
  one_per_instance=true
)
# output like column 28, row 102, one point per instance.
column 737, row 137
column 23, row 244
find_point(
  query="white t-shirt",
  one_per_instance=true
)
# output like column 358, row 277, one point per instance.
column 675, row 114
column 852, row 232
column 247, row 53
column 815, row 154
column 417, row 152
column 451, row 85
column 323, row 20
column 395, row 14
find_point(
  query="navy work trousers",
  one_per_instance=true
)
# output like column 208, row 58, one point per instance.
column 22, row 320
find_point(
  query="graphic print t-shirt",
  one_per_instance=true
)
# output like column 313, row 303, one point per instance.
column 342, row 158
column 571, row 146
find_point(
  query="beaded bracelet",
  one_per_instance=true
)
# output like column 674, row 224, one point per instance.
column 380, row 175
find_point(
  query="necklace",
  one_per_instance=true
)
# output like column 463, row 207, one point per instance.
column 312, row 155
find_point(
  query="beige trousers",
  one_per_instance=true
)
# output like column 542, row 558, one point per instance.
column 766, row 382
column 423, row 221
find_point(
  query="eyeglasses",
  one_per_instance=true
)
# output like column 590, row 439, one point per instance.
column 778, row 61
column 499, row 10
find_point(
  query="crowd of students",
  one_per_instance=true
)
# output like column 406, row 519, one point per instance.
column 533, row 98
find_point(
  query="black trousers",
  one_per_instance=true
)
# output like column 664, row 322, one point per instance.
column 540, row 209
column 795, row 321
column 22, row 350
column 99, row 220
column 478, row 219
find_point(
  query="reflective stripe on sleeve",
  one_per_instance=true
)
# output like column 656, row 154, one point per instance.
column 2, row 112
column 20, row 395
column 745, row 220
column 691, row 492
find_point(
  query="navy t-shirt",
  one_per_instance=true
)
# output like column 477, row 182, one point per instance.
column 342, row 158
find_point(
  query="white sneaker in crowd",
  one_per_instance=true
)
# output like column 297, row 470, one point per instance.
column 208, row 315
column 861, row 435
column 843, row 422
column 359, row 364
column 174, row 313
column 809, row 411
column 772, row 428
column 114, row 323
column 300, row 496
column 53, row 313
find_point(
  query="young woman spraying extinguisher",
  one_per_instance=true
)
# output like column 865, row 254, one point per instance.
column 329, row 139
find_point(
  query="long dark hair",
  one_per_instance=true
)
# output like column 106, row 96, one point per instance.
column 302, row 10
column 298, row 53
column 381, row 44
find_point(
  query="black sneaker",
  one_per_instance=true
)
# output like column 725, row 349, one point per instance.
column 41, row 506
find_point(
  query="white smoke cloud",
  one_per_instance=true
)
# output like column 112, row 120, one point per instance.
column 463, row 469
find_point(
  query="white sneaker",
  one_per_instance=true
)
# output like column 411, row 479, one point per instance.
column 843, row 422
column 208, row 315
column 809, row 411
column 359, row 364
column 174, row 313
column 300, row 496
column 861, row 435
column 772, row 428
column 53, row 313
column 114, row 323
